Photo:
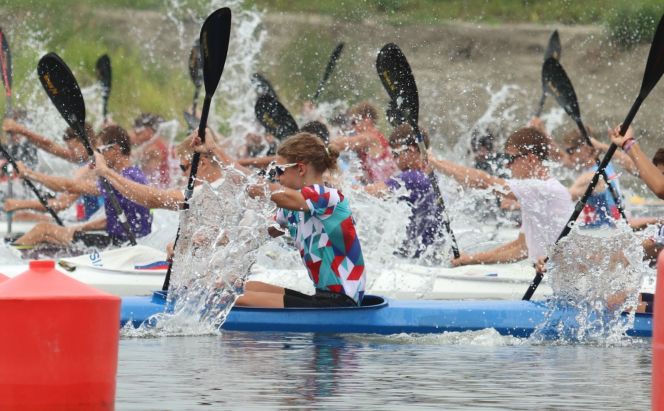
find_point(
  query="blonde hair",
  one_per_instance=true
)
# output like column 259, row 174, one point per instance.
column 309, row 149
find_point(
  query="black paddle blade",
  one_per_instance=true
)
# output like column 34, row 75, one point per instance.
column 332, row 62
column 215, row 36
column 103, row 67
column 263, row 86
column 63, row 90
column 6, row 64
column 397, row 78
column 559, row 85
column 196, row 65
column 655, row 64
column 275, row 117
column 553, row 50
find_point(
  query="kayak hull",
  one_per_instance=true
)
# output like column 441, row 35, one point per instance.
column 385, row 316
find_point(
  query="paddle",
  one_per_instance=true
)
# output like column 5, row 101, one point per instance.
column 553, row 50
column 65, row 94
column 196, row 74
column 397, row 78
column 215, row 35
column 263, row 86
column 561, row 87
column 104, row 75
column 43, row 200
column 276, row 118
column 334, row 57
column 6, row 66
column 653, row 72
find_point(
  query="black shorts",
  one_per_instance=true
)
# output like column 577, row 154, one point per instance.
column 97, row 240
column 295, row 299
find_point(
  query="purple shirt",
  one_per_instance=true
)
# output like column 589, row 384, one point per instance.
column 138, row 217
column 425, row 222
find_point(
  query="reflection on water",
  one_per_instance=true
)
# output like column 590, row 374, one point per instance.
column 481, row 370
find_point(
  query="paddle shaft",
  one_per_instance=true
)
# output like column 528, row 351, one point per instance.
column 39, row 195
column 328, row 70
column 609, row 186
column 591, row 187
column 5, row 61
column 540, row 106
column 436, row 190
column 189, row 191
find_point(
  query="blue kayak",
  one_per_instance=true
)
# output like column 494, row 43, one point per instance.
column 379, row 315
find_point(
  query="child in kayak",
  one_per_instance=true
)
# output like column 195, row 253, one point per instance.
column 425, row 226
column 545, row 202
column 320, row 220
column 601, row 208
column 370, row 145
column 116, row 150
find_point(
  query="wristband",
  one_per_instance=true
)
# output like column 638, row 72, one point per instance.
column 627, row 145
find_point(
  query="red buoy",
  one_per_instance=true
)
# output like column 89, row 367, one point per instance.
column 58, row 342
column 658, row 341
column 3, row 278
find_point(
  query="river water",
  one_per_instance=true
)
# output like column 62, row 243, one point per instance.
column 471, row 370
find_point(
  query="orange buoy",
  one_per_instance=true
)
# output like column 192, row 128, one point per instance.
column 658, row 341
column 58, row 342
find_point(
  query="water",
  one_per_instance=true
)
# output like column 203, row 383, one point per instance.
column 475, row 370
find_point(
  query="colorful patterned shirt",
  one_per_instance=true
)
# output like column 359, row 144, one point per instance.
column 328, row 243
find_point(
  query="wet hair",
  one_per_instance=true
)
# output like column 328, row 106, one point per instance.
column 115, row 135
column 71, row 134
column 404, row 135
column 148, row 120
column 574, row 138
column 309, row 149
column 481, row 140
column 363, row 111
column 658, row 158
column 317, row 128
column 529, row 140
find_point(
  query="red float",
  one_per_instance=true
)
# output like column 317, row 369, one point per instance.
column 58, row 342
column 658, row 342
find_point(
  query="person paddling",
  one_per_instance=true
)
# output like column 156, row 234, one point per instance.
column 320, row 220
column 545, row 202
column 600, row 209
column 370, row 145
column 153, row 152
column 116, row 149
column 425, row 226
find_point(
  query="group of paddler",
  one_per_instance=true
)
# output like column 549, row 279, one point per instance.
column 299, row 171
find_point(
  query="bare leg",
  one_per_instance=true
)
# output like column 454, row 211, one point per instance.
column 259, row 299
column 47, row 233
column 261, row 287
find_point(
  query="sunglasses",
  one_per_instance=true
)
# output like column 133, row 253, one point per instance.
column 105, row 147
column 276, row 170
column 510, row 159
column 396, row 152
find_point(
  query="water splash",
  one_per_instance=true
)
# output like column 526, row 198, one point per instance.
column 598, row 274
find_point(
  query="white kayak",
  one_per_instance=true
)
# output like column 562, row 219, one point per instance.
column 139, row 270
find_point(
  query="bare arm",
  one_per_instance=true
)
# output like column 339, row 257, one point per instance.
column 147, row 196
column 648, row 172
column 619, row 157
column 40, row 141
column 284, row 197
column 94, row 225
column 353, row 143
column 471, row 177
column 81, row 184
column 59, row 203
column 581, row 184
column 508, row 253
column 259, row 162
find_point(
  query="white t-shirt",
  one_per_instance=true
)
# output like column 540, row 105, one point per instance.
column 546, row 205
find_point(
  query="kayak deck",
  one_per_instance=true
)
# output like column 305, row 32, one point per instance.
column 385, row 316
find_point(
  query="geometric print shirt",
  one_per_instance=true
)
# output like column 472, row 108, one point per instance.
column 327, row 240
